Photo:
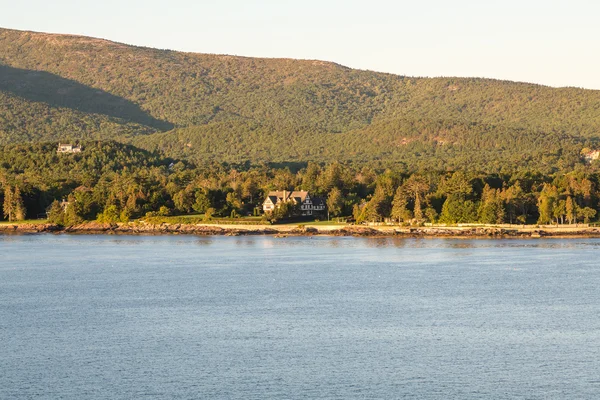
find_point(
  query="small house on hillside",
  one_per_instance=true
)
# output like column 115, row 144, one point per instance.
column 68, row 148
column 309, row 205
column 590, row 155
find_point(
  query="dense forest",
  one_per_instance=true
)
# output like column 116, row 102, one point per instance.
column 212, row 109
column 115, row 182
column 172, row 133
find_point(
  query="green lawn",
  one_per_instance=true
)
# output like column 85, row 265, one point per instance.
column 199, row 219
column 317, row 223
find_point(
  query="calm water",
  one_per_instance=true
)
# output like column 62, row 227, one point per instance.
column 121, row 317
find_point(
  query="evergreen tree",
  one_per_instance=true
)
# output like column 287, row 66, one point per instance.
column 400, row 211
column 8, row 205
column 18, row 205
column 377, row 207
column 456, row 210
column 515, row 201
column 335, row 202
column 431, row 214
column 72, row 213
column 249, row 189
column 570, row 210
column 56, row 214
column 310, row 178
column 331, row 177
column 13, row 206
column 417, row 187
column 359, row 212
column 109, row 215
column 491, row 208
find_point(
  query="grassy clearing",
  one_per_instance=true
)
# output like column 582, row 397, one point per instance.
column 199, row 219
column 317, row 223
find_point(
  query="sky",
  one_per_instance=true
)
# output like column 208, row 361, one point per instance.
column 549, row 42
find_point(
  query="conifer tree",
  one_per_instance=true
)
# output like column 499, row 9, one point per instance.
column 335, row 202
column 400, row 211
column 56, row 215
column 7, row 206
column 417, row 186
column 570, row 210
column 18, row 206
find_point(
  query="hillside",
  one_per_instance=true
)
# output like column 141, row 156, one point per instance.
column 225, row 108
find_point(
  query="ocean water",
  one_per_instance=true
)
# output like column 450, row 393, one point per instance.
column 186, row 317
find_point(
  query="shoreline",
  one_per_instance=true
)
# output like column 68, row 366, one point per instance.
column 140, row 228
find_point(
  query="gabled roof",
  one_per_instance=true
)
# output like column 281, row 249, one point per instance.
column 300, row 195
column 283, row 195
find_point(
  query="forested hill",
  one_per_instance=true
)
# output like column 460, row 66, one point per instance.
column 225, row 108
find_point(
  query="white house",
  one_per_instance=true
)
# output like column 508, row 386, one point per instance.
column 308, row 205
column 68, row 148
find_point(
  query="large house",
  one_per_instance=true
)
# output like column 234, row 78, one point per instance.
column 309, row 205
column 68, row 148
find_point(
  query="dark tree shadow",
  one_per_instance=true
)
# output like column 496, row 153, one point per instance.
column 294, row 166
column 56, row 91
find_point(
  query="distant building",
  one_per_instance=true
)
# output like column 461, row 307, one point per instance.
column 590, row 155
column 309, row 205
column 68, row 148
column 64, row 204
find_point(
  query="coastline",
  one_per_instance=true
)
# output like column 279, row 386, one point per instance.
column 141, row 228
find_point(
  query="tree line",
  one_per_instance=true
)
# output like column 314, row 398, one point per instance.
column 112, row 182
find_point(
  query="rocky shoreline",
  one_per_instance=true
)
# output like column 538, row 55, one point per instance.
column 140, row 228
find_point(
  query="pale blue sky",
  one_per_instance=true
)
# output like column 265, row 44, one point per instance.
column 550, row 42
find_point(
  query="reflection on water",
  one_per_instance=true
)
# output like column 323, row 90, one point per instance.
column 462, row 245
column 130, row 241
column 204, row 241
column 334, row 242
column 247, row 241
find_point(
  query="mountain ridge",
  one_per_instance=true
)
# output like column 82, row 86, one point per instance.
column 223, row 107
column 92, row 39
